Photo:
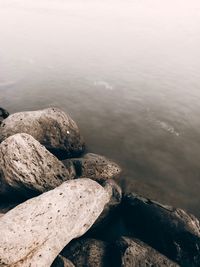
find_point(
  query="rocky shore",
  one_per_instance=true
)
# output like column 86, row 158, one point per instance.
column 62, row 207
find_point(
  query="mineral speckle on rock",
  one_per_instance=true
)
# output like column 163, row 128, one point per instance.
column 51, row 127
column 171, row 231
column 28, row 167
column 33, row 233
column 96, row 167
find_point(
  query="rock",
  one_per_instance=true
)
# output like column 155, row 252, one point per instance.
column 61, row 261
column 110, row 209
column 51, row 127
column 171, row 231
column 27, row 167
column 135, row 253
column 96, row 167
column 5, row 206
column 33, row 233
column 3, row 113
column 88, row 252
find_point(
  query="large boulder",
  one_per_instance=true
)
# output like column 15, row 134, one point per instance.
column 171, row 231
column 28, row 167
column 88, row 252
column 51, row 127
column 135, row 253
column 33, row 233
column 94, row 166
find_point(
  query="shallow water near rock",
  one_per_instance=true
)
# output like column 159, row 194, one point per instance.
column 128, row 74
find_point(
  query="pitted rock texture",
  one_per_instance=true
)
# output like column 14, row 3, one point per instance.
column 88, row 252
column 96, row 167
column 51, row 127
column 135, row 253
column 28, row 167
column 171, row 231
column 33, row 233
column 61, row 261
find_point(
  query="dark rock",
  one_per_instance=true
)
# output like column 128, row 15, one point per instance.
column 88, row 252
column 61, row 261
column 171, row 231
column 110, row 208
column 95, row 167
column 3, row 113
column 51, row 127
column 135, row 253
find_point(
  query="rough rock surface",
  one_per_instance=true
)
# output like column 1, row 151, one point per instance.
column 171, row 231
column 61, row 261
column 51, row 127
column 96, row 167
column 110, row 209
column 33, row 233
column 135, row 253
column 27, row 166
column 88, row 252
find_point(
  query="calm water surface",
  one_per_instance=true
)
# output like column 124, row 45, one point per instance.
column 127, row 71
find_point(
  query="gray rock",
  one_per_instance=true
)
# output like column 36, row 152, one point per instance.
column 88, row 252
column 33, row 233
column 51, row 127
column 171, row 231
column 135, row 253
column 110, row 209
column 96, row 167
column 28, row 167
column 61, row 261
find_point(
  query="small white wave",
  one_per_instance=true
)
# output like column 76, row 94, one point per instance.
column 7, row 84
column 104, row 84
column 167, row 127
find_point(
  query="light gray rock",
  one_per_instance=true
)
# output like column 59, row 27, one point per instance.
column 34, row 233
column 61, row 261
column 51, row 127
column 96, row 167
column 28, row 167
column 135, row 253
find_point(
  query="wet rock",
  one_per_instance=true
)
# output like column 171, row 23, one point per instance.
column 33, row 233
column 135, row 253
column 171, row 231
column 96, row 167
column 110, row 209
column 61, row 261
column 88, row 252
column 3, row 113
column 28, row 167
column 51, row 127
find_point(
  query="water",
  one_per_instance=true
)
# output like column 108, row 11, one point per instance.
column 127, row 71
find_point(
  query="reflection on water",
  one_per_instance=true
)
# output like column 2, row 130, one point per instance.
column 126, row 71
